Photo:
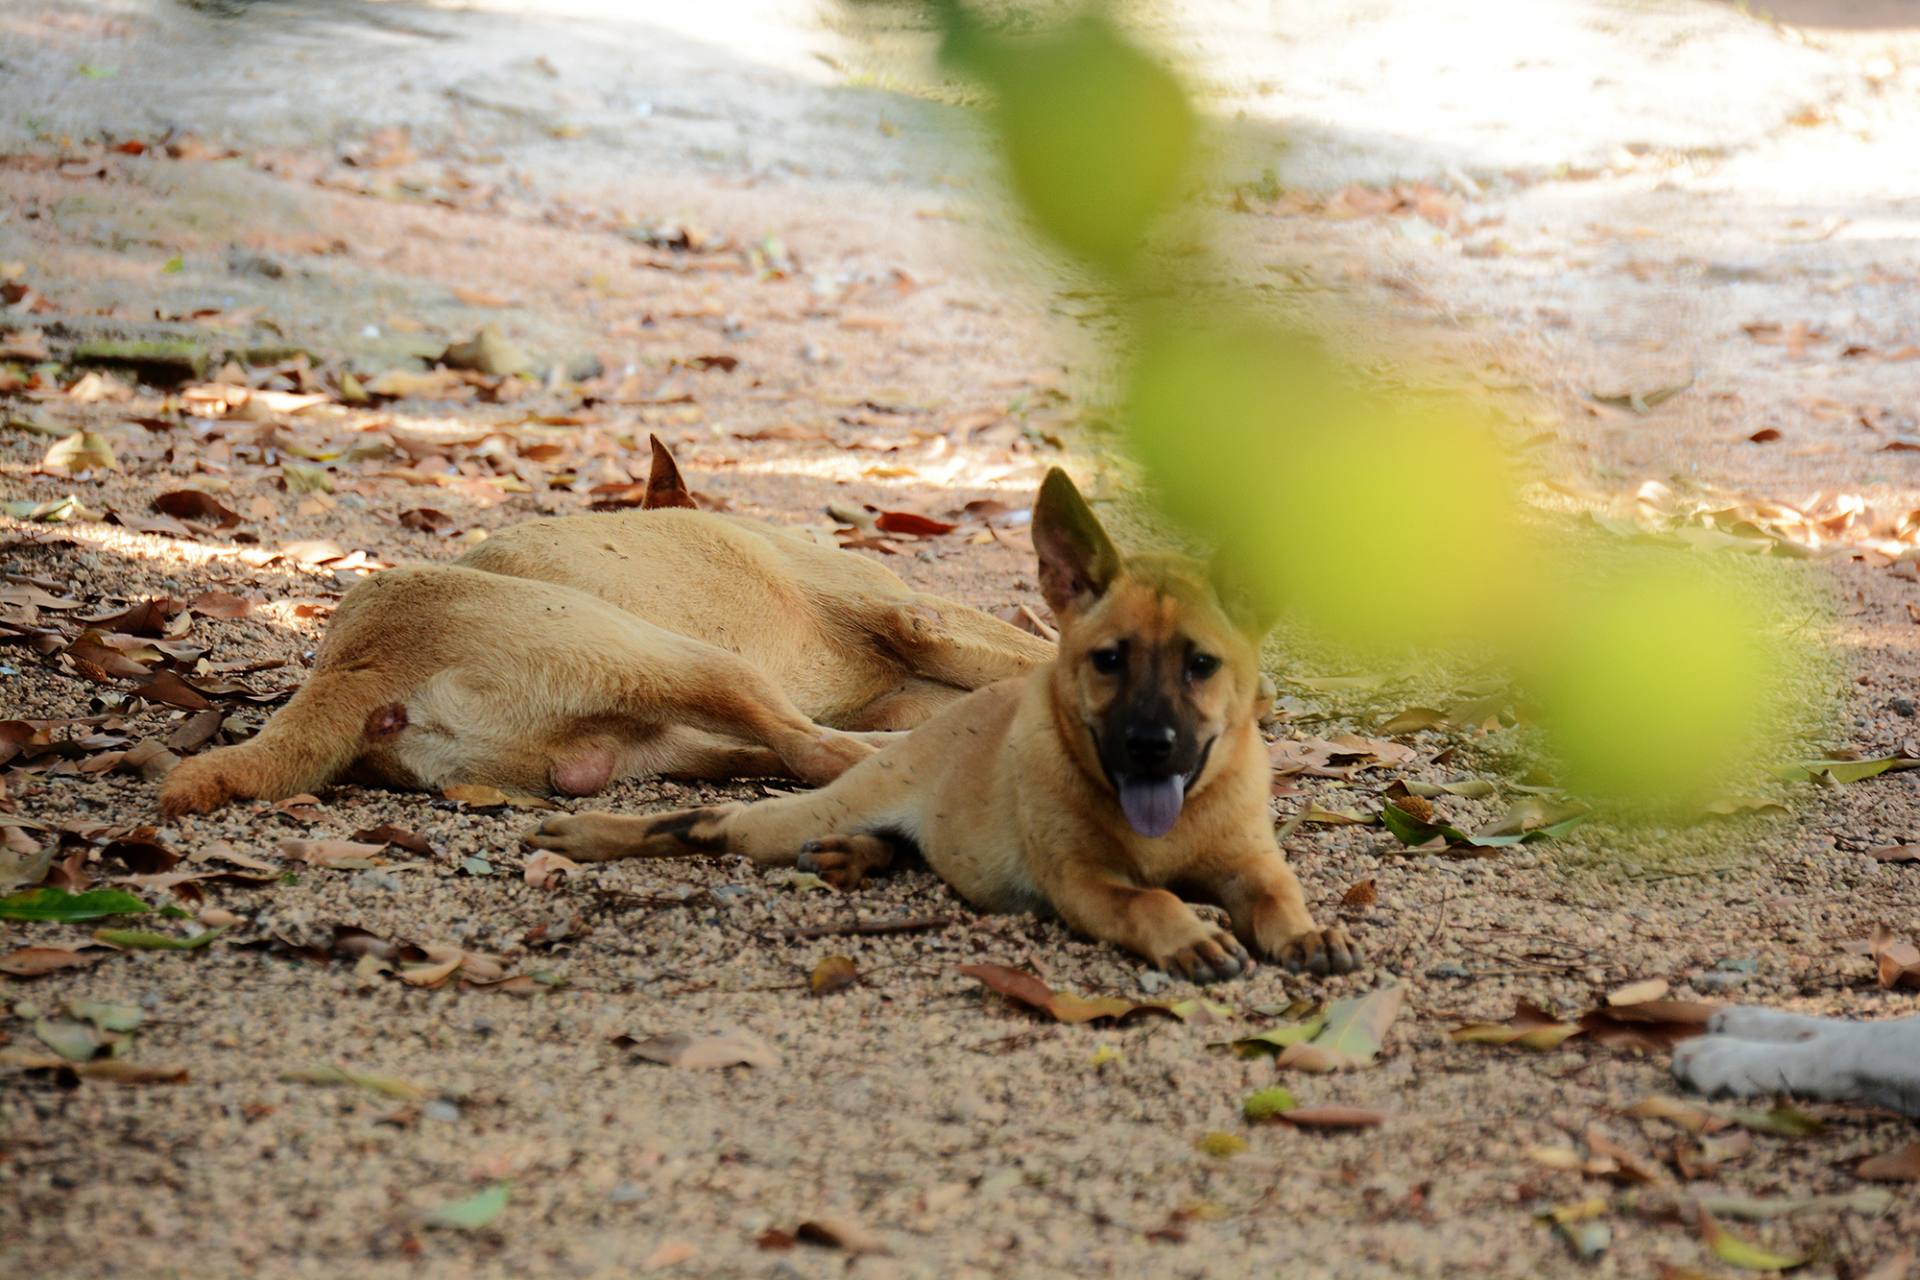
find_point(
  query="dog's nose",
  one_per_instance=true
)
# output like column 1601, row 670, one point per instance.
column 1150, row 745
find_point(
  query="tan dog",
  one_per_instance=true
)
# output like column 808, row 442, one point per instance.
column 569, row 652
column 1130, row 764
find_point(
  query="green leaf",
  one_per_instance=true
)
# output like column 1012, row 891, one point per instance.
column 386, row 1086
column 135, row 940
column 301, row 477
column 58, row 904
column 1201, row 1011
column 1266, row 1104
column 1787, row 1122
column 56, row 511
column 107, row 1017
column 1843, row 771
column 472, row 1213
column 74, row 1041
column 1274, row 1039
column 1465, row 788
column 1356, row 1027
column 1220, row 1146
column 1528, row 819
column 476, row 866
column 92, row 72
column 1736, row 1252
column 174, row 265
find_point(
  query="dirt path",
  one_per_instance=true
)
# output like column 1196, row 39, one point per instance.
column 732, row 226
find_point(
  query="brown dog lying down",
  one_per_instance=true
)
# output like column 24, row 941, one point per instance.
column 1129, row 765
column 570, row 652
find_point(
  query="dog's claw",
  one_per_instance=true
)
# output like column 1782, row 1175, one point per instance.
column 1323, row 952
column 1218, row 957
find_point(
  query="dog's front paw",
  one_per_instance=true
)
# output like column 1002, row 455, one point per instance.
column 845, row 862
column 1215, row 957
column 1717, row 1065
column 1322, row 951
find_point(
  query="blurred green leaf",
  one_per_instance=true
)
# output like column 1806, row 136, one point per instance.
column 1266, row 1104
column 1843, row 770
column 137, row 940
column 1097, row 135
column 1787, row 1122
column 107, row 1017
column 58, row 904
column 1736, row 1252
column 473, row 1212
column 386, row 1086
column 74, row 1041
column 1274, row 1039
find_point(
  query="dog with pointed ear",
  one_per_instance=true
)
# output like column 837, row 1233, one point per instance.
column 1090, row 788
column 665, row 488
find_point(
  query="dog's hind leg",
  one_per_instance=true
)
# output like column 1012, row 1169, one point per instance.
column 307, row 744
column 728, row 696
column 951, row 644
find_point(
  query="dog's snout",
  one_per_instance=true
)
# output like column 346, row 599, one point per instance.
column 1150, row 745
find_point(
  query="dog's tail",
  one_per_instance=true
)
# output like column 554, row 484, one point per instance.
column 308, row 743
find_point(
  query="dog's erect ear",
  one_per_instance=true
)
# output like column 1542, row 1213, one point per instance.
column 665, row 488
column 1077, row 561
column 1248, row 604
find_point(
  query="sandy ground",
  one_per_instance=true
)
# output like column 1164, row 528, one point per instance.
column 624, row 192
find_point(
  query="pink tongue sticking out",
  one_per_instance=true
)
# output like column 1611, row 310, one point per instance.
column 1152, row 805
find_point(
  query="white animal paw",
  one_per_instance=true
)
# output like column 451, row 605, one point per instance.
column 1749, row 1022
column 1716, row 1065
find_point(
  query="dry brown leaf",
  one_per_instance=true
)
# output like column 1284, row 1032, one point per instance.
column 833, row 973
column 1896, row 852
column 1654, row 1026
column 1900, row 1165
column 910, row 523
column 31, row 962
column 168, row 688
column 400, row 837
column 337, row 855
column 1531, row 1027
column 671, row 1253
column 1607, row 1158
column 1897, row 960
column 1333, row 1117
column 546, row 869
column 1896, row 1266
column 702, row 1052
column 1062, row 1006
column 1685, row 1115
column 220, row 604
column 192, row 504
column 1360, row 895
column 1639, row 992
column 477, row 796
column 840, row 1233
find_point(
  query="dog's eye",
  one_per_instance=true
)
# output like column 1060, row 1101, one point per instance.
column 1202, row 665
column 1107, row 661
